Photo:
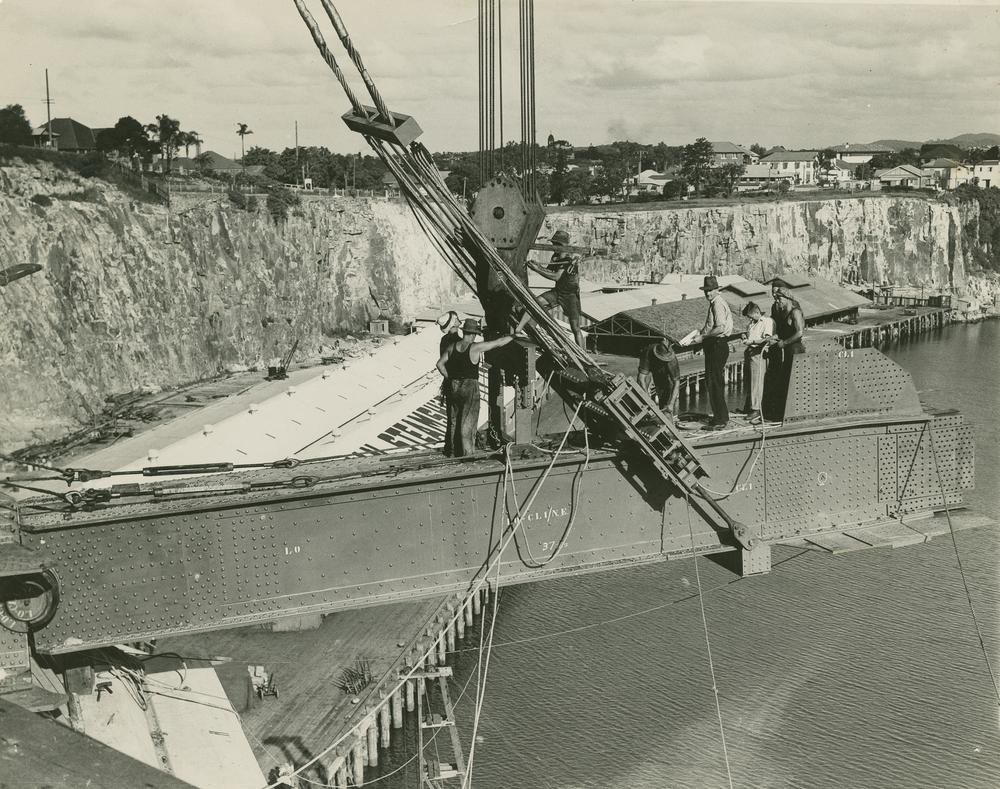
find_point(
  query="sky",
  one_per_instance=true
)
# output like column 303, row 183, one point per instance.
column 798, row 74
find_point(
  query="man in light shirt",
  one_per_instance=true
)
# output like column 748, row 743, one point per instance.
column 759, row 330
column 714, row 338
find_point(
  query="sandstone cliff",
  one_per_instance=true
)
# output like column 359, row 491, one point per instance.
column 130, row 295
column 885, row 239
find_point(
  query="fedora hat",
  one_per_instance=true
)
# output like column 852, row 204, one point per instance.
column 662, row 350
column 471, row 326
column 711, row 283
column 560, row 237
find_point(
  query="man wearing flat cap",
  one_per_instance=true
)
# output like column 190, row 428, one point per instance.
column 564, row 270
column 459, row 364
column 714, row 339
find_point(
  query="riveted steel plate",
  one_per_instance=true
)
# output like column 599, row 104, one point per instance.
column 849, row 382
column 426, row 528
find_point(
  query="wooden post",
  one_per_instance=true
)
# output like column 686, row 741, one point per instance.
column 477, row 602
column 384, row 715
column 409, row 695
column 441, row 647
column 450, row 632
column 338, row 773
column 397, row 708
column 467, row 613
column 460, row 624
column 358, row 763
column 371, row 737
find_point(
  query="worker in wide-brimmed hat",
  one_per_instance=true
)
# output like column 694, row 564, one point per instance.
column 450, row 324
column 659, row 371
column 564, row 270
column 459, row 364
column 714, row 339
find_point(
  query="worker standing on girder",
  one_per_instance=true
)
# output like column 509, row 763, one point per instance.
column 564, row 270
column 451, row 325
column 714, row 338
column 789, row 324
column 459, row 364
column 658, row 366
column 759, row 333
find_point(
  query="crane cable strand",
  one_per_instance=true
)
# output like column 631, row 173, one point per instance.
column 477, row 582
column 708, row 642
column 961, row 568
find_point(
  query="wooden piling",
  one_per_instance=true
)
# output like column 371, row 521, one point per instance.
column 397, row 708
column 358, row 763
column 338, row 772
column 384, row 716
column 371, row 738
column 467, row 613
column 477, row 602
column 410, row 694
column 460, row 624
column 441, row 648
column 450, row 635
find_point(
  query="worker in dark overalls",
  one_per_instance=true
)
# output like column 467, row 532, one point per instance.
column 451, row 327
column 782, row 348
column 459, row 364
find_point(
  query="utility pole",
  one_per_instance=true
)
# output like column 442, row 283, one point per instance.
column 298, row 168
column 48, row 108
column 354, row 176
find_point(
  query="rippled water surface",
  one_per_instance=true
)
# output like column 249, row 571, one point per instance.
column 860, row 670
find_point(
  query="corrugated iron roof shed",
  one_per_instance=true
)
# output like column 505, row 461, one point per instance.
column 599, row 306
column 673, row 320
column 790, row 280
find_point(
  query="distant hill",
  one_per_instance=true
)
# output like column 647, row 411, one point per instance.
column 983, row 140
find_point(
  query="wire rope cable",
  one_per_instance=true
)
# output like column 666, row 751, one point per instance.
column 708, row 644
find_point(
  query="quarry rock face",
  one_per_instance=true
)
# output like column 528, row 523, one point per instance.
column 131, row 295
column 885, row 239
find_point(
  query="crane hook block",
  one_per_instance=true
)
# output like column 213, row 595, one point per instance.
column 403, row 130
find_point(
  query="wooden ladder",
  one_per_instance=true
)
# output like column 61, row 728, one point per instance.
column 631, row 405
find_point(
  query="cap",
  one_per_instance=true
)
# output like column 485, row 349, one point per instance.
column 560, row 237
column 711, row 283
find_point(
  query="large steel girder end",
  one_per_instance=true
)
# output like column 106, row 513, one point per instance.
column 29, row 590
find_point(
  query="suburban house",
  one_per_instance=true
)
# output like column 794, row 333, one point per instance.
column 796, row 167
column 839, row 172
column 906, row 175
column 948, row 173
column 987, row 173
column 648, row 182
column 755, row 176
column 67, row 135
column 858, row 154
column 731, row 153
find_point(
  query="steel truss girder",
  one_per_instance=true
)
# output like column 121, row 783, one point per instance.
column 232, row 561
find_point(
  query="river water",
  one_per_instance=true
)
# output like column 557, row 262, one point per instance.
column 860, row 670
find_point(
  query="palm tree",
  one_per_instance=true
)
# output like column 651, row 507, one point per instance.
column 166, row 132
column 243, row 130
column 187, row 139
